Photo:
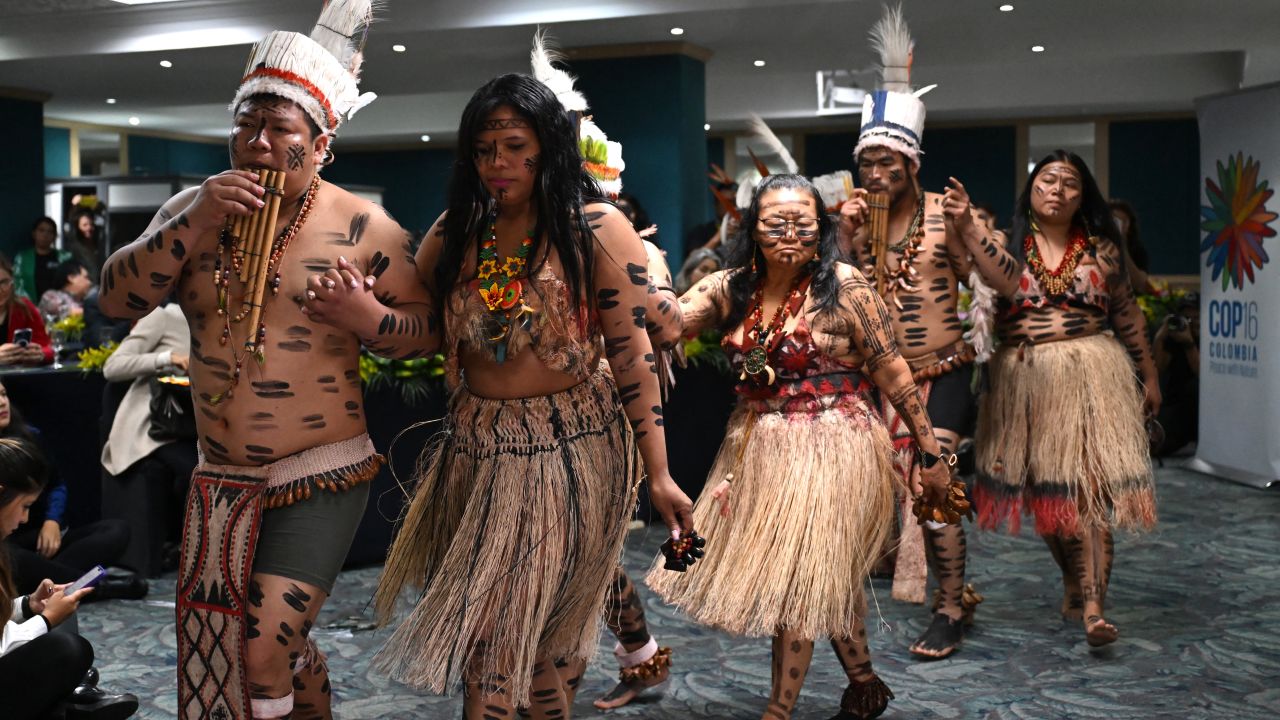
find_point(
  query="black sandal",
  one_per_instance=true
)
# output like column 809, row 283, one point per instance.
column 864, row 699
column 943, row 635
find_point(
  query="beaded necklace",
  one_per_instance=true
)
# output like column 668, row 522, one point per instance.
column 905, row 275
column 767, row 337
column 235, row 252
column 500, row 286
column 1059, row 280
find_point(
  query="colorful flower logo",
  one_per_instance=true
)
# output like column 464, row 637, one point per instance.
column 1236, row 221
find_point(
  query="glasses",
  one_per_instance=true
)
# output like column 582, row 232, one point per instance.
column 804, row 228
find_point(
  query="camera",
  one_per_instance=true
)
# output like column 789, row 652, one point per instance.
column 1176, row 322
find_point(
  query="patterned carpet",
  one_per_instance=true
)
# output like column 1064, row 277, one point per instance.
column 1195, row 602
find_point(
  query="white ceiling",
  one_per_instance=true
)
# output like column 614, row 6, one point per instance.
column 1102, row 56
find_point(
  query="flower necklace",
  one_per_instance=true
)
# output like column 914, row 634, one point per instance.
column 235, row 252
column 1059, row 280
column 500, row 286
column 905, row 275
column 766, row 338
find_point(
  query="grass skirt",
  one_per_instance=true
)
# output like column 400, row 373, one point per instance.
column 810, row 506
column 514, row 532
column 1061, row 436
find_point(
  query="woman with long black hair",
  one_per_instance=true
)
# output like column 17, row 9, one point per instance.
column 521, row 504
column 800, row 497
column 1060, row 431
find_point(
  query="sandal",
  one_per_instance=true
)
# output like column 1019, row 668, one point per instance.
column 864, row 699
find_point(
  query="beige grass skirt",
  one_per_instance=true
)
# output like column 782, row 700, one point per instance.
column 513, row 533
column 811, row 504
column 1061, row 437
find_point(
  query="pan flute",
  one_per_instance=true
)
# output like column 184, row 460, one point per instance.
column 253, row 239
column 878, row 231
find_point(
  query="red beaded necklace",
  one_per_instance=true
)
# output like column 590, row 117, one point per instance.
column 1059, row 280
column 767, row 337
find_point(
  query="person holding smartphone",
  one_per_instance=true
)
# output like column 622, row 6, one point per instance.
column 24, row 338
column 42, row 672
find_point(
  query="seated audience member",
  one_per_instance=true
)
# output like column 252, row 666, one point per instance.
column 23, row 339
column 33, row 268
column 98, row 328
column 70, row 284
column 40, row 549
column 149, row 474
column 43, row 674
column 1176, row 348
column 700, row 263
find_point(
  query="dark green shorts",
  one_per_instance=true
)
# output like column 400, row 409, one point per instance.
column 308, row 540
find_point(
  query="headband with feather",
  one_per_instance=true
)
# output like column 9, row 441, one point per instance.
column 601, row 157
column 893, row 116
column 321, row 73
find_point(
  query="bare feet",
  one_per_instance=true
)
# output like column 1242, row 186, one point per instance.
column 626, row 691
column 1099, row 632
column 940, row 639
column 1073, row 606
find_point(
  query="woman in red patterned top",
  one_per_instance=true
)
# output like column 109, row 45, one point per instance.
column 1060, row 432
column 801, row 496
column 19, row 319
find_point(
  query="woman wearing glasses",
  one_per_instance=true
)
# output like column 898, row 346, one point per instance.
column 800, row 497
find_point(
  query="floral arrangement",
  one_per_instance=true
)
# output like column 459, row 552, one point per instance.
column 1160, row 304
column 92, row 359
column 71, row 326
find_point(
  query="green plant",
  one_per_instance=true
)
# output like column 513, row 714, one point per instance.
column 415, row 379
column 706, row 348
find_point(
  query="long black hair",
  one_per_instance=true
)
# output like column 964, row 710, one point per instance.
column 1094, row 215
column 746, row 263
column 562, row 187
column 21, row 473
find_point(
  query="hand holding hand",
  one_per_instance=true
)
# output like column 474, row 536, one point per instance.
column 341, row 297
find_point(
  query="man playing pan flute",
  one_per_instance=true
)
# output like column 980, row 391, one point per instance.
column 904, row 238
column 285, row 457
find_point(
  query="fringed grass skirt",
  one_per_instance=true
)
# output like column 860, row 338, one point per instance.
column 513, row 533
column 810, row 506
column 1061, row 436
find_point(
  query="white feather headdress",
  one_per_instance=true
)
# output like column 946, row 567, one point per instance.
column 320, row 73
column 542, row 58
column 893, row 116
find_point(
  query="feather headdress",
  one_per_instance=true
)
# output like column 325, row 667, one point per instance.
column 320, row 73
column 543, row 58
column 893, row 116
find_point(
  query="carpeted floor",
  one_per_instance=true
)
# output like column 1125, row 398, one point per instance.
column 1196, row 603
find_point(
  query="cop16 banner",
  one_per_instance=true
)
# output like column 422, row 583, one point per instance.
column 1240, row 286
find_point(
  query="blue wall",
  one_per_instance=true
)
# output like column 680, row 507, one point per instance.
column 22, row 181
column 414, row 182
column 983, row 158
column 1155, row 165
column 57, row 152
column 656, row 107
column 160, row 156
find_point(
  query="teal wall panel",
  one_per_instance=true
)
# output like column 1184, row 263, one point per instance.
column 22, row 182
column 415, row 182
column 152, row 156
column 656, row 107
column 57, row 152
column 1155, row 165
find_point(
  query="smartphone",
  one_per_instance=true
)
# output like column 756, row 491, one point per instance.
column 89, row 579
column 22, row 337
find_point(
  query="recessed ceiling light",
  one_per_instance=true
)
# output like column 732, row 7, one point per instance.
column 758, row 63
column 677, row 31
column 111, row 101
column 398, row 48
column 1006, row 8
column 166, row 64
column 706, row 126
column 1037, row 48
column 426, row 138
column 135, row 121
